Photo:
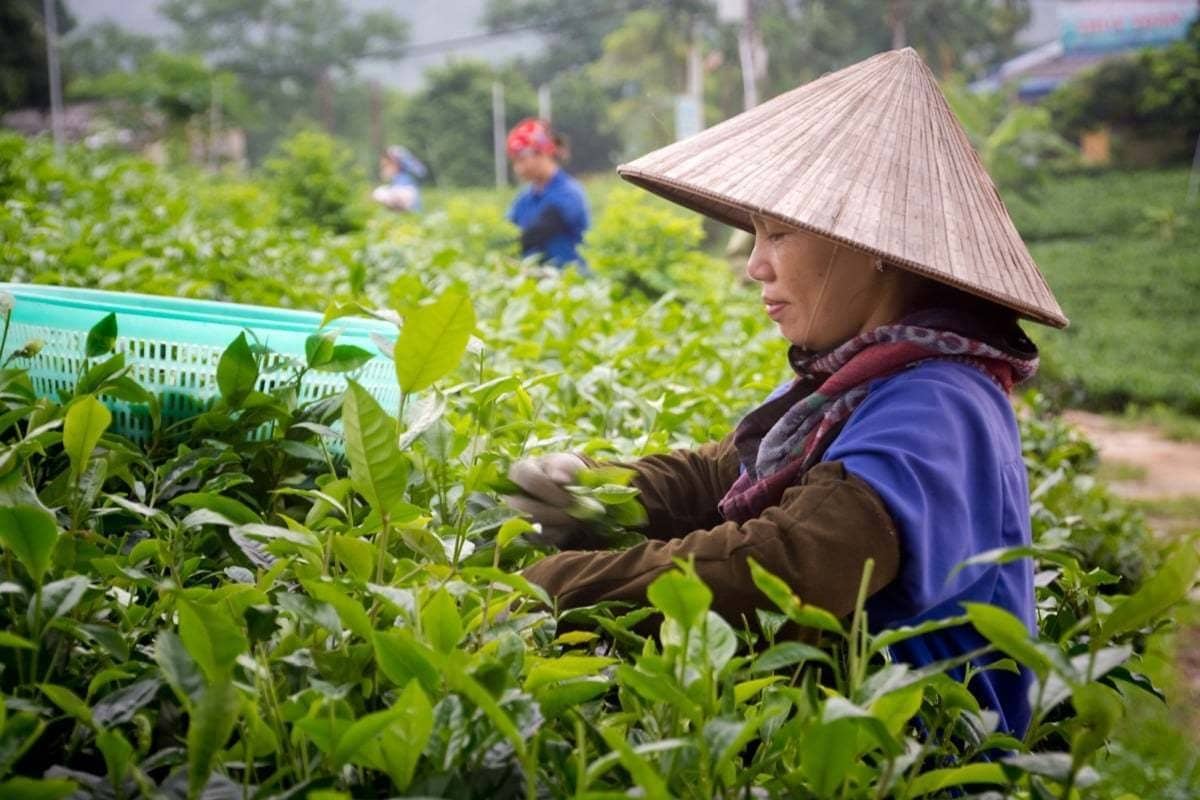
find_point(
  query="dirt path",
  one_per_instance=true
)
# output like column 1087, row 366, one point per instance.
column 1140, row 463
column 1163, row 477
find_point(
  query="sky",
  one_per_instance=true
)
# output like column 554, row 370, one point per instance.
column 431, row 21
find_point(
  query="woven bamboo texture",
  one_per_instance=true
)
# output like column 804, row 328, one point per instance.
column 870, row 156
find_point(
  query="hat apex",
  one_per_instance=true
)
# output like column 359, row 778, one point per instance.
column 870, row 156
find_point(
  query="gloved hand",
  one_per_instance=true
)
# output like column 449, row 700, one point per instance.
column 545, row 501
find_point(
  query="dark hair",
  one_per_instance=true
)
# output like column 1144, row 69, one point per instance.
column 562, row 145
column 932, row 293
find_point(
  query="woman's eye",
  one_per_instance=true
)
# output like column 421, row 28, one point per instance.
column 775, row 237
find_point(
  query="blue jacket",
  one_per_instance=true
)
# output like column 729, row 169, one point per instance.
column 939, row 444
column 552, row 219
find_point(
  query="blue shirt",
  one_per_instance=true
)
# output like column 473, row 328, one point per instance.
column 939, row 444
column 566, row 196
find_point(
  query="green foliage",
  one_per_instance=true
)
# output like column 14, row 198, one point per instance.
column 1130, row 296
column 233, row 605
column 807, row 40
column 285, row 54
column 1017, row 143
column 316, row 182
column 104, row 47
column 1155, row 92
column 449, row 122
column 649, row 248
column 178, row 87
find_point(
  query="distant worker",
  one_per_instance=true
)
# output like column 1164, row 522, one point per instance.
column 551, row 210
column 401, row 173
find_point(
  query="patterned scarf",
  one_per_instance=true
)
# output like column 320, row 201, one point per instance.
column 784, row 437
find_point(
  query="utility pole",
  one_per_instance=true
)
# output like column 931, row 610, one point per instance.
column 749, row 44
column 56, row 100
column 752, row 53
column 325, row 99
column 543, row 97
column 498, row 134
column 376, row 118
column 695, row 68
column 214, row 122
column 898, row 20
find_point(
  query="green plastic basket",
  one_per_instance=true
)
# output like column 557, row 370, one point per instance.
column 173, row 345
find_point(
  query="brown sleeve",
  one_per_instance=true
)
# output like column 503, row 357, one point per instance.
column 680, row 490
column 817, row 540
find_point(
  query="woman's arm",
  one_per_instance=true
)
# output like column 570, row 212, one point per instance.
column 817, row 540
column 680, row 490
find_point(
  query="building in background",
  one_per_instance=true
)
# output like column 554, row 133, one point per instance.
column 1077, row 34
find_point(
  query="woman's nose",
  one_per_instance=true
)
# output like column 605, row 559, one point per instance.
column 758, row 266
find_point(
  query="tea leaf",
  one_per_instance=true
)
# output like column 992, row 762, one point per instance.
column 379, row 471
column 102, row 337
column 552, row 670
column 1009, row 635
column 71, row 705
column 30, row 533
column 1167, row 587
column 349, row 610
column 938, row 779
column 237, row 371
column 211, row 638
column 402, row 658
column 20, row 788
column 680, row 597
column 212, row 720
column 87, row 420
column 440, row 621
column 433, row 339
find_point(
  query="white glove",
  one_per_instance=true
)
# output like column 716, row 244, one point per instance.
column 545, row 501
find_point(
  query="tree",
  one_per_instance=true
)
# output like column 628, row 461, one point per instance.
column 1153, row 94
column 103, row 48
column 808, row 39
column 449, row 123
column 177, row 87
column 612, row 65
column 287, row 53
column 578, row 108
column 315, row 182
column 23, row 76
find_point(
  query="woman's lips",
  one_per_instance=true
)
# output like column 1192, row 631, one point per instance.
column 774, row 308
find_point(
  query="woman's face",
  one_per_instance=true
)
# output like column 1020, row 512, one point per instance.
column 533, row 167
column 818, row 293
column 387, row 168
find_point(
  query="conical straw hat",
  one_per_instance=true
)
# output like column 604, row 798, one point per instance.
column 869, row 156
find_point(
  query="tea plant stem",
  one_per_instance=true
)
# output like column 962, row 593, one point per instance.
column 36, row 629
column 581, row 781
column 530, row 766
column 1071, row 778
column 1035, row 713
column 12, row 610
column 857, row 647
column 4, row 336
column 385, row 521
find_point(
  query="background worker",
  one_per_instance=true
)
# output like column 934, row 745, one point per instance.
column 551, row 210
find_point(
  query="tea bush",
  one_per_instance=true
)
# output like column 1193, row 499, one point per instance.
column 337, row 609
column 316, row 182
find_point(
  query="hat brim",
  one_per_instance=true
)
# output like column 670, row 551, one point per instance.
column 739, row 215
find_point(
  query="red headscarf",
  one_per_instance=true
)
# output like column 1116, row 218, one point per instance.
column 531, row 134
